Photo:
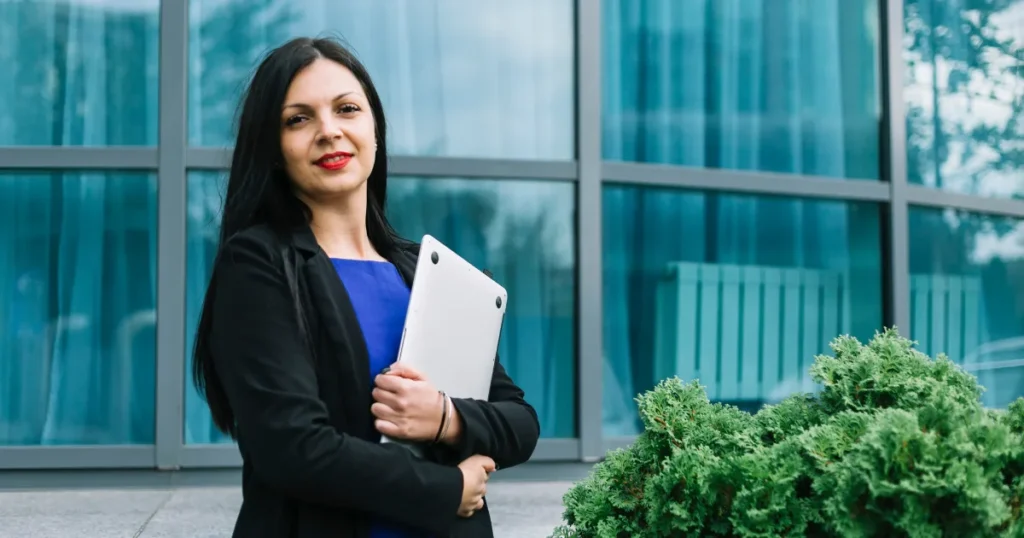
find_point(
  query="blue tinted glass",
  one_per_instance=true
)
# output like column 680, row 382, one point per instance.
column 79, row 72
column 964, row 93
column 785, row 86
column 205, row 197
column 522, row 231
column 466, row 78
column 740, row 292
column 77, row 308
column 967, row 295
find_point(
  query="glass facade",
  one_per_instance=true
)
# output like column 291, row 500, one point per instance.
column 461, row 78
column 738, row 291
column 967, row 295
column 714, row 192
column 85, row 73
column 786, row 86
column 77, row 308
column 521, row 231
column 964, row 96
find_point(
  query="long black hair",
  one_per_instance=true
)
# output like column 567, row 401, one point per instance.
column 260, row 192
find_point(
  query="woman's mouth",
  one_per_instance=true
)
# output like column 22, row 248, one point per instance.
column 334, row 161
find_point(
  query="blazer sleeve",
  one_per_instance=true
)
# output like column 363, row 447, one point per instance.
column 269, row 377
column 505, row 427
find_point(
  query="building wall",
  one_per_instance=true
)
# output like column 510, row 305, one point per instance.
column 703, row 188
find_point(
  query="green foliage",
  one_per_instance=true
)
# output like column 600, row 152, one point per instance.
column 895, row 444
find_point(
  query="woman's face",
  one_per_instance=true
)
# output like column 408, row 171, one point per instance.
column 328, row 136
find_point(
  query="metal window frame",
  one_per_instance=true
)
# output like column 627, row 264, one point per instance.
column 171, row 235
column 893, row 141
column 743, row 182
column 78, row 158
column 173, row 158
column 77, row 457
column 217, row 159
column 589, row 284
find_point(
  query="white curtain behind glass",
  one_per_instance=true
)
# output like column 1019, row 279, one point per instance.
column 716, row 84
column 466, row 78
column 521, row 231
column 77, row 280
column 205, row 198
column 743, row 85
column 78, row 309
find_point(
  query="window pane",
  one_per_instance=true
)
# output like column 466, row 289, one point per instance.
column 967, row 295
column 464, row 78
column 964, row 94
column 79, row 73
column 522, row 231
column 204, row 198
column 77, row 308
column 785, row 86
column 740, row 292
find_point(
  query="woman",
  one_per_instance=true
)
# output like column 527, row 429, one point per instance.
column 303, row 317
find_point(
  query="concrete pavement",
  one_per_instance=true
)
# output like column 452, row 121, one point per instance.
column 520, row 509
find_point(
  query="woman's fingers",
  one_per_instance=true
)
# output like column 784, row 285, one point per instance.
column 384, row 412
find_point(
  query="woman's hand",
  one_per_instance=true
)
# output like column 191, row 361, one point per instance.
column 476, row 470
column 406, row 405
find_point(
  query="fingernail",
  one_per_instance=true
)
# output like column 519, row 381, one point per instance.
column 386, row 370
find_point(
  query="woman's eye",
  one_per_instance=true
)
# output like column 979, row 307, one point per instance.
column 348, row 109
column 293, row 120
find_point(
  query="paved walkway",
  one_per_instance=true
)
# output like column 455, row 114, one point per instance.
column 519, row 510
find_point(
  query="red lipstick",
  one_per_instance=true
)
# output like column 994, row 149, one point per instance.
column 334, row 161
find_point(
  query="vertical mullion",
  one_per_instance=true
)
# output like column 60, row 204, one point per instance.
column 588, row 221
column 170, row 332
column 894, row 151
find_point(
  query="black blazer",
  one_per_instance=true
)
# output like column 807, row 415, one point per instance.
column 312, row 463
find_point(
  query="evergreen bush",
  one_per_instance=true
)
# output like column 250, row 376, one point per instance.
column 894, row 444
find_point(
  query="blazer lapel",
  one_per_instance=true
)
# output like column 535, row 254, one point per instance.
column 340, row 327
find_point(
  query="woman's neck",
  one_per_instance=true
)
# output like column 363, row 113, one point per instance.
column 342, row 234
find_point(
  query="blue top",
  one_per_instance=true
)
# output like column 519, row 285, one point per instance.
column 380, row 298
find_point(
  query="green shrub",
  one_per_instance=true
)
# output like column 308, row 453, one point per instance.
column 895, row 444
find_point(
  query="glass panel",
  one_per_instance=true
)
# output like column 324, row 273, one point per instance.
column 77, row 308
column 462, row 78
column 740, row 292
column 522, row 231
column 786, row 86
column 964, row 94
column 967, row 295
column 204, row 199
column 79, row 72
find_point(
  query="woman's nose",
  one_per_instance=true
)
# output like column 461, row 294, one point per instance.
column 330, row 128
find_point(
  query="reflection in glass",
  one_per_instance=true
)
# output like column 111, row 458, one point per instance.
column 786, row 86
column 465, row 78
column 77, row 308
column 964, row 95
column 967, row 295
column 740, row 292
column 522, row 231
column 79, row 73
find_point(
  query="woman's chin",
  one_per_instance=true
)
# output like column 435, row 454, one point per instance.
column 340, row 186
